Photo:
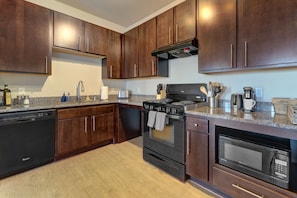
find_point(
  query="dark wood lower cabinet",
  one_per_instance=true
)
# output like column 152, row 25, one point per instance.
column 239, row 187
column 197, row 148
column 82, row 128
column 197, row 156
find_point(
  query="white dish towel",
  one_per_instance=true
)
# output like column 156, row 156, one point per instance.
column 151, row 119
column 160, row 121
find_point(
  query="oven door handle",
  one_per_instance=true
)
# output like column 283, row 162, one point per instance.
column 175, row 117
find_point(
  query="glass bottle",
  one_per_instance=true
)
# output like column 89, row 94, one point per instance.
column 6, row 96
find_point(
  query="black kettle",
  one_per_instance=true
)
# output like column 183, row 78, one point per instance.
column 236, row 101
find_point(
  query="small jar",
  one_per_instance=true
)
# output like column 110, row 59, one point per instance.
column 26, row 100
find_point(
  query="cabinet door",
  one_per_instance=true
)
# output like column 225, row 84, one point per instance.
column 238, row 187
column 102, row 128
column 147, row 43
column 217, row 35
column 185, row 21
column 267, row 33
column 165, row 28
column 11, row 34
column 197, row 155
column 95, row 39
column 68, row 32
column 114, row 55
column 37, row 29
column 72, row 135
column 131, row 53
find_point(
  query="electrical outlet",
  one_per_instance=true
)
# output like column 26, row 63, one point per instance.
column 259, row 92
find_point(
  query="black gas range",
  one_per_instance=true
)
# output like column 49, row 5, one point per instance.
column 166, row 148
column 179, row 97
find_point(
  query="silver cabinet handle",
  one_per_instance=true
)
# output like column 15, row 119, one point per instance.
column 231, row 52
column 46, row 71
column 245, row 53
column 169, row 35
column 196, row 125
column 247, row 191
column 153, row 68
column 24, row 159
column 110, row 71
column 86, row 124
column 78, row 43
column 88, row 44
column 176, row 33
column 188, row 143
column 94, row 123
column 135, row 70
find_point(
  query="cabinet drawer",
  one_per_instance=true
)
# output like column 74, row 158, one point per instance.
column 101, row 109
column 197, row 124
column 239, row 187
column 72, row 112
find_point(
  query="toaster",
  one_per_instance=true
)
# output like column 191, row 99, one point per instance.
column 123, row 94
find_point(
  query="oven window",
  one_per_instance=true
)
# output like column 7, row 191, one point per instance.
column 166, row 136
column 243, row 156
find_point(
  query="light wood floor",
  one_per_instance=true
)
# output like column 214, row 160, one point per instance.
column 116, row 171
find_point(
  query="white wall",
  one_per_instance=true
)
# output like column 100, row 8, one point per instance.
column 275, row 83
column 67, row 70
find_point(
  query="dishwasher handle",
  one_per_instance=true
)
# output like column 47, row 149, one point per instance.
column 26, row 116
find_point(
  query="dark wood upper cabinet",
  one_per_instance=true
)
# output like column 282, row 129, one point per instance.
column 131, row 53
column 38, row 29
column 267, row 33
column 177, row 24
column 95, row 39
column 165, row 28
column 217, row 34
column 11, row 34
column 185, row 21
column 25, row 37
column 69, row 32
column 246, row 34
column 147, row 43
column 114, row 56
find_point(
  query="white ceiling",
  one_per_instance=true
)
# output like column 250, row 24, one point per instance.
column 122, row 12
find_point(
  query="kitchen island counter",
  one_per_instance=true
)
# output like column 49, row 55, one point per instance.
column 265, row 118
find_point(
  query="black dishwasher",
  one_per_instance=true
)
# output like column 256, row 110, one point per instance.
column 27, row 140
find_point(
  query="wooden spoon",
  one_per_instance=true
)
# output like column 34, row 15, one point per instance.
column 203, row 90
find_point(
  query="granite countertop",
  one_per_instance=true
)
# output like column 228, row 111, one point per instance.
column 266, row 118
column 54, row 103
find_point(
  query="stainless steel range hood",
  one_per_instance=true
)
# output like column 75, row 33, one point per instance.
column 178, row 50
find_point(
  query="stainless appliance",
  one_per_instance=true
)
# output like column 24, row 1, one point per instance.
column 236, row 101
column 27, row 140
column 268, row 158
column 166, row 148
column 123, row 94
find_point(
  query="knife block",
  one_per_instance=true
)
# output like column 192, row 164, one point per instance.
column 162, row 95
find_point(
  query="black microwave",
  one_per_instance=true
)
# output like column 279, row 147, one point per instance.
column 260, row 156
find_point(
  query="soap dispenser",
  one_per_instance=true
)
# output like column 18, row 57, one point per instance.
column 64, row 98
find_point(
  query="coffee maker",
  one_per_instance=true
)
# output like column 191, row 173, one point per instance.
column 248, row 93
column 249, row 100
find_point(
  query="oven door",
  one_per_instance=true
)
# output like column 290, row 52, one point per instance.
column 170, row 142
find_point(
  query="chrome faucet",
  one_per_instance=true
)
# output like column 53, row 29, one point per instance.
column 80, row 88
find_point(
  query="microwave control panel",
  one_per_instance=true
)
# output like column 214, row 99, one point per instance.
column 281, row 168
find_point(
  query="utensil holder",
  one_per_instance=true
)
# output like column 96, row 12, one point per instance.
column 213, row 102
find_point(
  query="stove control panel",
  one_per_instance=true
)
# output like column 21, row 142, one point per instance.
column 169, row 109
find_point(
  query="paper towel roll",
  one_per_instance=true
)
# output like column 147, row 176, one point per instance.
column 104, row 93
